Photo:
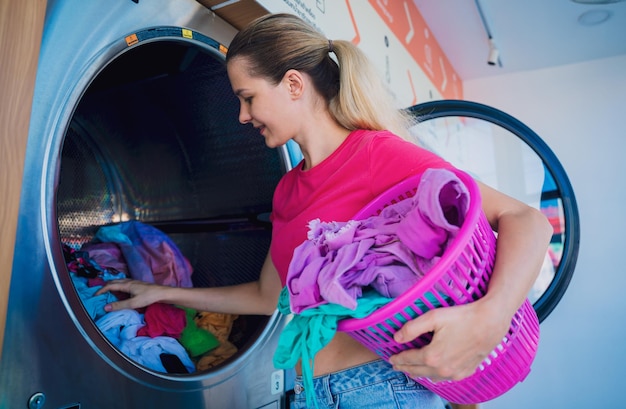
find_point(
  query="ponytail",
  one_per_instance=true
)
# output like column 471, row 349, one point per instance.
column 364, row 102
column 354, row 92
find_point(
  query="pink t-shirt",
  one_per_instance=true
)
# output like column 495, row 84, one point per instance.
column 364, row 166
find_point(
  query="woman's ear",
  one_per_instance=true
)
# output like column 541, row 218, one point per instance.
column 294, row 80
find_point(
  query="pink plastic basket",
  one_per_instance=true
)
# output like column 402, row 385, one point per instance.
column 459, row 277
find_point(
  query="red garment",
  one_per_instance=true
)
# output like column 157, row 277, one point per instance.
column 163, row 319
column 364, row 166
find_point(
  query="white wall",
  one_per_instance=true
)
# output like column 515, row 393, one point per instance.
column 580, row 112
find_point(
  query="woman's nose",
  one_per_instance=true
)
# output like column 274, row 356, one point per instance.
column 244, row 115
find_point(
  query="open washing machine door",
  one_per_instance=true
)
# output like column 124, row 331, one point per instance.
column 502, row 152
column 134, row 120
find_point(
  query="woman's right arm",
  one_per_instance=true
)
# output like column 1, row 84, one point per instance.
column 257, row 297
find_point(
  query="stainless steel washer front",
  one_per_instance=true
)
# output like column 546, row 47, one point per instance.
column 133, row 119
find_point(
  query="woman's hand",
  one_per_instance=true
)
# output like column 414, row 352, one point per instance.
column 141, row 294
column 254, row 297
column 463, row 336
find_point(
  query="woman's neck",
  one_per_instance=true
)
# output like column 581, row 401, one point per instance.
column 321, row 142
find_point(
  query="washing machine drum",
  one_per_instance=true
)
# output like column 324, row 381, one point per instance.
column 155, row 145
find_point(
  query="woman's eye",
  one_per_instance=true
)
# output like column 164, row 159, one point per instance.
column 248, row 100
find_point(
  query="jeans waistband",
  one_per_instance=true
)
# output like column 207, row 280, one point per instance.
column 349, row 378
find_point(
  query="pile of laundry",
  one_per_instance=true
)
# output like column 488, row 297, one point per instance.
column 161, row 337
column 349, row 269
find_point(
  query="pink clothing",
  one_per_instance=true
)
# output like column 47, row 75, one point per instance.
column 365, row 165
column 163, row 320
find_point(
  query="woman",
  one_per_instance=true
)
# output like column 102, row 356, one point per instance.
column 293, row 83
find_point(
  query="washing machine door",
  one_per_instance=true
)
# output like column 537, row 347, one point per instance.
column 134, row 120
column 504, row 153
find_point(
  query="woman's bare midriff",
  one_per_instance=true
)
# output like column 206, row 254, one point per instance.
column 340, row 353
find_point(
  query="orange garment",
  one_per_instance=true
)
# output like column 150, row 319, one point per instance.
column 221, row 326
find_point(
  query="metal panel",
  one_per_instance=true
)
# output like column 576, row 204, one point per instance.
column 135, row 130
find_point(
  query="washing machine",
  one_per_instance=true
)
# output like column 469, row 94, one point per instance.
column 134, row 120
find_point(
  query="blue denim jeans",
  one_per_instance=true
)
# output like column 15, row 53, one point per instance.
column 374, row 385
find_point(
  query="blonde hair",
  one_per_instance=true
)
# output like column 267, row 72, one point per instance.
column 353, row 90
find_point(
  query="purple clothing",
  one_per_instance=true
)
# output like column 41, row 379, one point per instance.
column 439, row 209
column 150, row 254
column 107, row 255
column 389, row 252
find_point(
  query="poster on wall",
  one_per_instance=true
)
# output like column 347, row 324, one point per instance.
column 393, row 35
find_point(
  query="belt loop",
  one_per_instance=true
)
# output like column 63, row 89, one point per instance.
column 328, row 394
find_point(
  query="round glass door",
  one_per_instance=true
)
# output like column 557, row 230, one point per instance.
column 502, row 152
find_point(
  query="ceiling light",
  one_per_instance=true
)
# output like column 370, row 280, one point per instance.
column 594, row 17
column 494, row 53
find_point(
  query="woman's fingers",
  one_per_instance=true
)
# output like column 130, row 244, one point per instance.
column 459, row 344
column 141, row 294
column 116, row 285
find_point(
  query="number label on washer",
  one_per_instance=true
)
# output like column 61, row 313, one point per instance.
column 278, row 382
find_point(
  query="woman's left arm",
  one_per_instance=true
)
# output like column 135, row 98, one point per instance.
column 464, row 335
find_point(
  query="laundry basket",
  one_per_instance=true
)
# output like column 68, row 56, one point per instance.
column 459, row 277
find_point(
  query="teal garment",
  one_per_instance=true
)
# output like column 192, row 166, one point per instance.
column 312, row 329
